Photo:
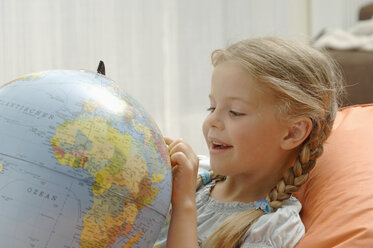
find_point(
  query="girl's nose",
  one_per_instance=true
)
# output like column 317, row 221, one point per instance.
column 214, row 120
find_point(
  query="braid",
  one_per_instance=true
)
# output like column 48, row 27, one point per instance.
column 297, row 175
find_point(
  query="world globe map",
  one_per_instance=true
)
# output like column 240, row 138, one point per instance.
column 82, row 164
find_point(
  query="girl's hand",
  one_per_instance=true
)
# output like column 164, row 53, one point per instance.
column 184, row 164
column 182, row 232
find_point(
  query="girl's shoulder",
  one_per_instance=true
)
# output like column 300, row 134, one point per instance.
column 283, row 228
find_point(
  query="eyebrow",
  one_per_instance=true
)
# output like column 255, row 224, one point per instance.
column 234, row 98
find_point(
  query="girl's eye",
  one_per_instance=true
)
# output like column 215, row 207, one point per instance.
column 211, row 109
column 234, row 113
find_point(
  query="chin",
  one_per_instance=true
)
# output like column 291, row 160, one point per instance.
column 216, row 167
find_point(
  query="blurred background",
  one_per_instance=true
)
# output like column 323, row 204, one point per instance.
column 157, row 50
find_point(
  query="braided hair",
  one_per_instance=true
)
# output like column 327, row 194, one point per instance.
column 306, row 83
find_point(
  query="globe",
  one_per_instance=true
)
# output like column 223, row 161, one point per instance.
column 82, row 164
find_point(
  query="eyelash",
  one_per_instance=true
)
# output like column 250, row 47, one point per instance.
column 234, row 113
column 231, row 112
column 211, row 109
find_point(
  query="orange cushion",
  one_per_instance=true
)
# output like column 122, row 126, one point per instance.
column 338, row 197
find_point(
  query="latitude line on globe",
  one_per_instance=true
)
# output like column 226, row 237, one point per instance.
column 79, row 179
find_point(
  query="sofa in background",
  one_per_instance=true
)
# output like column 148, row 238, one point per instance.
column 357, row 67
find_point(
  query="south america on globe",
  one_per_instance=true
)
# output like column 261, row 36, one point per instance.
column 82, row 164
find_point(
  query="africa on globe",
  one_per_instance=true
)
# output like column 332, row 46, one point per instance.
column 82, row 164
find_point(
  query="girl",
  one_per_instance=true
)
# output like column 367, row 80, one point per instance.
column 273, row 103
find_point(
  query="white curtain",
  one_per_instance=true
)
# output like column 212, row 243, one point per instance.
column 334, row 14
column 157, row 50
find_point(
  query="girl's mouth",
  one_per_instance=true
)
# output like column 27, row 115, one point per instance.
column 219, row 146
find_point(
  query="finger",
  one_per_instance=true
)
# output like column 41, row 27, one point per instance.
column 168, row 140
column 181, row 146
column 176, row 146
column 173, row 144
column 170, row 143
column 179, row 158
column 183, row 159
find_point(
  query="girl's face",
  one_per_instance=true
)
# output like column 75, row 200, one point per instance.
column 242, row 132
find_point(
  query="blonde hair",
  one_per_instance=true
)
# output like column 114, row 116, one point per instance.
column 306, row 83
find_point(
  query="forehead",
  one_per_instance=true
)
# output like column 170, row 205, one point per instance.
column 231, row 80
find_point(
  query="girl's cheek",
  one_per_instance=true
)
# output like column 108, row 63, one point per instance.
column 205, row 128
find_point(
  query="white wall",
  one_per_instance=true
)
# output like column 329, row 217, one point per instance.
column 158, row 50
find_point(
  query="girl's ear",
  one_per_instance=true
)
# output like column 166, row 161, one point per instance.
column 297, row 132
